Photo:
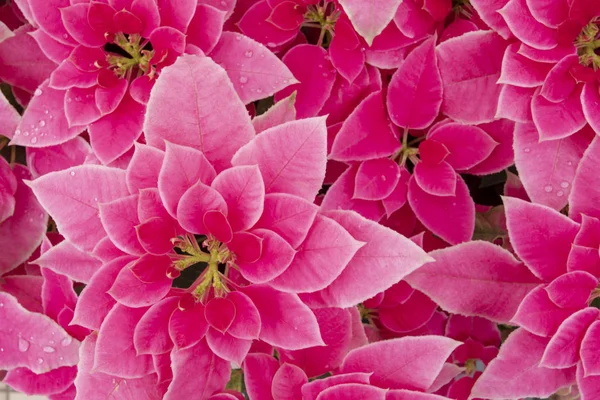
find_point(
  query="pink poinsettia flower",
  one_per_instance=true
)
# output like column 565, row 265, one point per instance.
column 109, row 55
column 242, row 211
column 392, row 369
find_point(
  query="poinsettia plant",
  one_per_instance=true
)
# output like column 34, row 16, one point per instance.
column 300, row 199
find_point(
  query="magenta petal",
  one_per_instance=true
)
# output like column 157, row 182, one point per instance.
column 455, row 137
column 539, row 314
column 450, row 217
column 573, row 289
column 415, row 91
column 115, row 351
column 36, row 333
column 366, row 133
column 516, row 372
column 9, row 116
column 195, row 202
column 287, row 382
column 436, row 180
column 151, row 335
column 176, row 15
column 289, row 216
column 246, row 324
column 410, row 315
column 119, row 218
column 197, row 371
column 54, row 50
column 589, row 357
column 546, row 258
column 559, row 83
column 75, row 20
column 563, row 349
column 66, row 259
column 195, row 80
column 255, row 24
column 546, row 181
column 44, row 123
column 491, row 282
column 471, row 93
column 50, row 383
column 286, row 321
column 376, row 179
column 346, row 54
column 291, row 157
column 590, row 98
column 584, row 195
column 76, row 212
column 131, row 291
column 275, row 257
column 588, row 386
column 182, row 168
column 228, row 347
column 259, row 370
column 370, row 20
column 320, row 259
column 155, row 235
column 558, row 120
column 243, row 190
column 95, row 303
column 187, row 326
column 217, row 225
column 220, row 313
column 526, row 28
column 144, row 168
column 262, row 74
column 205, row 28
column 401, row 363
column 515, row 103
column 316, row 79
column 502, row 132
column 521, row 71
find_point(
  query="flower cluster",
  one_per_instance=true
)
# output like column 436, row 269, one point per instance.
column 300, row 199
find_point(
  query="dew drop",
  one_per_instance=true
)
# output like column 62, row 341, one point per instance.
column 258, row 90
column 1, row 349
column 325, row 74
column 17, row 132
column 249, row 54
column 61, row 358
column 34, row 140
column 262, row 55
column 548, row 188
column 26, row 133
column 78, row 98
column 238, row 38
column 23, row 345
column 66, row 341
column 1, row 305
column 37, row 92
column 46, row 112
column 243, row 79
column 65, row 36
column 271, row 44
column 40, row 361
column 72, row 173
column 570, row 163
column 52, row 341
column 69, row 99
column 527, row 150
column 560, row 193
column 48, row 349
column 564, row 185
column 223, row 4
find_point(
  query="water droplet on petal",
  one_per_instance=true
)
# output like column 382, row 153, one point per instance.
column 526, row 149
column 271, row 44
column 1, row 349
column 223, row 3
column 48, row 349
column 249, row 54
column 61, row 358
column 564, row 185
column 1, row 305
column 238, row 38
column 548, row 188
column 66, row 341
column 33, row 140
column 46, row 112
column 243, row 79
column 23, row 345
column 72, row 173
column 17, row 132
column 37, row 92
column 560, row 193
column 258, row 90
column 40, row 361
column 26, row 133
column 570, row 163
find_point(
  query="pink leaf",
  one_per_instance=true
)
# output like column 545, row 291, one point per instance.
column 291, row 157
column 189, row 86
column 405, row 363
column 475, row 279
column 30, row 341
column 516, row 372
column 415, row 91
column 261, row 73
column 72, row 196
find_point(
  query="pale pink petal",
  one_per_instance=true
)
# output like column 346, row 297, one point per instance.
column 312, row 389
column 66, row 259
column 151, row 335
column 475, row 279
column 321, row 258
column 115, row 352
column 369, row 20
column 291, row 157
column 197, row 372
column 316, row 79
column 76, row 211
column 563, row 349
column 281, row 112
column 412, row 395
column 516, row 372
column 558, row 120
column 527, row 223
column 30, row 341
column 276, row 256
column 44, row 122
column 119, row 218
column 471, row 93
column 405, row 363
column 243, row 190
column 48, row 384
column 450, row 217
column 195, row 203
column 9, row 116
column 286, row 321
column 366, row 133
column 415, row 92
column 188, row 86
column 144, row 168
column 261, row 73
column 172, row 183
column 548, row 169
column 55, row 158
